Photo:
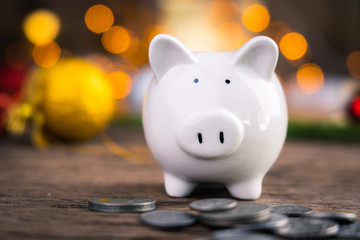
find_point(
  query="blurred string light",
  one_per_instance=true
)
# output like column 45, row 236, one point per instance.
column 255, row 18
column 47, row 55
column 99, row 18
column 41, row 27
column 310, row 77
column 293, row 45
column 116, row 39
column 121, row 83
column 353, row 64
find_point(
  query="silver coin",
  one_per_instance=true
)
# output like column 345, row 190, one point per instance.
column 338, row 217
column 272, row 224
column 121, row 204
column 230, row 234
column 291, row 210
column 213, row 204
column 349, row 230
column 168, row 219
column 242, row 213
column 309, row 228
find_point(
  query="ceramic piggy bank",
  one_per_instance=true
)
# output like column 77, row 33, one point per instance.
column 214, row 117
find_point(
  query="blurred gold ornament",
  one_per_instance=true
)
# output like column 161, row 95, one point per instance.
column 73, row 100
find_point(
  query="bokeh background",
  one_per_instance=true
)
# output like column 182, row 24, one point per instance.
column 78, row 65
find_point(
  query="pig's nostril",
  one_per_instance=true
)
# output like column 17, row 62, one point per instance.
column 200, row 138
column 221, row 137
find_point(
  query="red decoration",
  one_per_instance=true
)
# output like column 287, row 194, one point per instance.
column 11, row 81
column 355, row 108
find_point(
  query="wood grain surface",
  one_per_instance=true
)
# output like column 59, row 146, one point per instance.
column 43, row 193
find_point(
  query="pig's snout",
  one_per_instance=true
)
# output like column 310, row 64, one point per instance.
column 210, row 134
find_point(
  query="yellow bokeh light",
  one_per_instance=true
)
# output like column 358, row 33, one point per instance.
column 231, row 35
column 116, row 39
column 310, row 77
column 255, row 18
column 293, row 45
column 41, row 27
column 223, row 10
column 353, row 64
column 99, row 18
column 121, row 83
column 46, row 55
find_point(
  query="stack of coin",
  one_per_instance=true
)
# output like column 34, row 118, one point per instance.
column 121, row 204
column 243, row 213
column 168, row 219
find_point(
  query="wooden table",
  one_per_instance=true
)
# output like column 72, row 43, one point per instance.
column 43, row 194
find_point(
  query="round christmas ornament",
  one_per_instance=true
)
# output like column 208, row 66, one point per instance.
column 72, row 100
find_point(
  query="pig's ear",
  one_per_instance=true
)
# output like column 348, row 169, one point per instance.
column 260, row 53
column 165, row 52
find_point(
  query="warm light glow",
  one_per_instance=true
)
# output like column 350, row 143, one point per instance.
column 41, row 27
column 155, row 30
column 353, row 64
column 231, row 35
column 293, row 46
column 46, row 56
column 310, row 77
column 256, row 18
column 276, row 30
column 121, row 83
column 223, row 10
column 99, row 18
column 116, row 39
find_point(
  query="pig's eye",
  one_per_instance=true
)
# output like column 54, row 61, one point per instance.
column 196, row 80
column 227, row 81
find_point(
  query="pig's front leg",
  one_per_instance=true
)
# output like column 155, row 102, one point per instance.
column 176, row 187
column 249, row 190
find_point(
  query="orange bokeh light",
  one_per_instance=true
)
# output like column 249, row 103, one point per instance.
column 353, row 64
column 121, row 83
column 116, row 39
column 255, row 18
column 155, row 30
column 46, row 55
column 276, row 30
column 99, row 18
column 223, row 10
column 293, row 45
column 310, row 77
column 231, row 35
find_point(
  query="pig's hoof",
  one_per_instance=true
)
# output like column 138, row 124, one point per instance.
column 176, row 187
column 249, row 190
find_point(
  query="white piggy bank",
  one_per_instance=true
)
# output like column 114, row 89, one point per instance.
column 214, row 117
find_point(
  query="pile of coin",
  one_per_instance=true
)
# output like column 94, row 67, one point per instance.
column 121, row 204
column 238, row 220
